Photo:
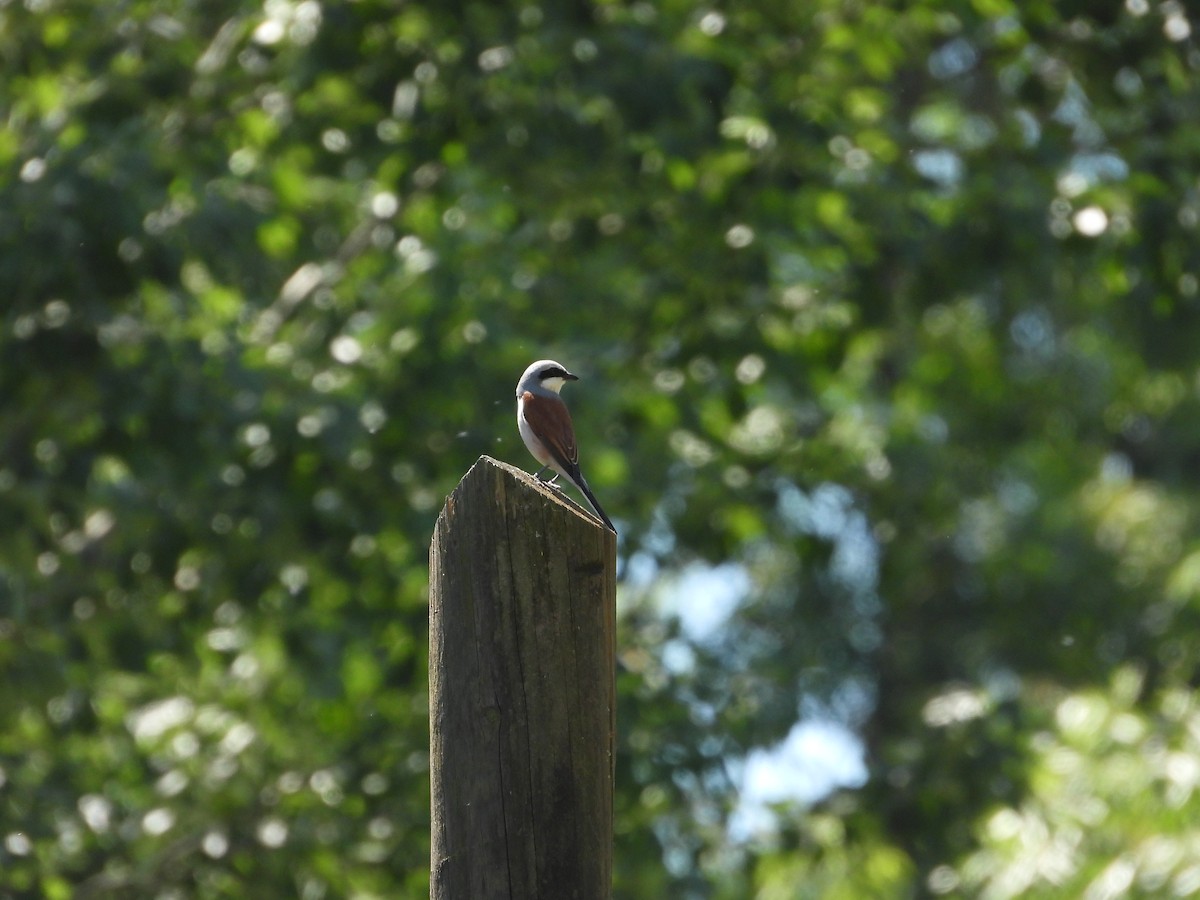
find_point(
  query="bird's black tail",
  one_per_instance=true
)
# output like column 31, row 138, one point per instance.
column 581, row 483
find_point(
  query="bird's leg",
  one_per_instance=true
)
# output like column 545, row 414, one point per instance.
column 550, row 481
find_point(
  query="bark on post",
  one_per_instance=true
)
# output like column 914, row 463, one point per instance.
column 521, row 693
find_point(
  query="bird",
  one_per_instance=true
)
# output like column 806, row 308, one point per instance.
column 546, row 429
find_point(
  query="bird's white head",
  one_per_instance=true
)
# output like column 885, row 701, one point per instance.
column 544, row 376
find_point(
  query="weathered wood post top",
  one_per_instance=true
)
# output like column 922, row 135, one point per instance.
column 521, row 693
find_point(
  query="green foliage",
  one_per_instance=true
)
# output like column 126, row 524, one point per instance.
column 894, row 308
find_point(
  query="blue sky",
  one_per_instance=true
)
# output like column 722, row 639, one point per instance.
column 818, row 755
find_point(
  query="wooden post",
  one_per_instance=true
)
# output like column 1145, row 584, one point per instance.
column 522, row 589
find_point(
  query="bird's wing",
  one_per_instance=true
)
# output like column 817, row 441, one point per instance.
column 550, row 421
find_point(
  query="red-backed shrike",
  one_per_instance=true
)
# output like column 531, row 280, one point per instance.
column 546, row 429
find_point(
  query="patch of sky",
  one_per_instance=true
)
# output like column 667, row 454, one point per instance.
column 816, row 757
column 821, row 752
